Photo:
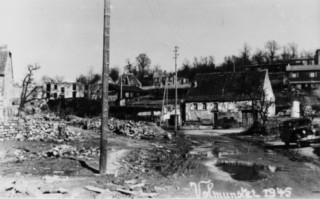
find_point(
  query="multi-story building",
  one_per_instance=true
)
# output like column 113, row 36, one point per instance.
column 304, row 73
column 63, row 90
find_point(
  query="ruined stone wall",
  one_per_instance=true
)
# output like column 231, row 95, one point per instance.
column 21, row 128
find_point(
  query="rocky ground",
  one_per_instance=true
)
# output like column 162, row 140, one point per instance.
column 144, row 163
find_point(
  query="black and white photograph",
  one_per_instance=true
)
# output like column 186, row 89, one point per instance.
column 212, row 99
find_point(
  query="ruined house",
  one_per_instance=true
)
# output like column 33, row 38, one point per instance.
column 216, row 96
column 6, row 83
column 63, row 90
column 128, row 79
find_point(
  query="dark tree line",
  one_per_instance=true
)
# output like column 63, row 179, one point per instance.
column 199, row 65
column 271, row 53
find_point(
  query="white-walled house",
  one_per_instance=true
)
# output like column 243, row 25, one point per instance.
column 217, row 96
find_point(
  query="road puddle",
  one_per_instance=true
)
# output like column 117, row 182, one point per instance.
column 242, row 172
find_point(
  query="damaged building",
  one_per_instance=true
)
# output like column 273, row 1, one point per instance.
column 6, row 83
column 63, row 90
column 217, row 96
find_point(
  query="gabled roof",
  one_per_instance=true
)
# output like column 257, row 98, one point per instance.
column 226, row 86
column 130, row 80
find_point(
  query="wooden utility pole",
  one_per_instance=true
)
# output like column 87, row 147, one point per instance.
column 105, row 89
column 176, row 91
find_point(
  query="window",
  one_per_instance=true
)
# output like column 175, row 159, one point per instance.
column 204, row 106
column 48, row 87
column 62, row 89
column 74, row 86
column 313, row 74
column 55, row 95
column 55, row 86
column 294, row 75
column 74, row 94
column 215, row 106
column 195, row 105
column 48, row 95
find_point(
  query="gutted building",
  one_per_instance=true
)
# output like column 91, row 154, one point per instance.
column 217, row 96
column 6, row 83
column 63, row 90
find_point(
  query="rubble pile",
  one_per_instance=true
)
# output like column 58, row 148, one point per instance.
column 50, row 127
column 70, row 151
column 43, row 128
column 56, row 132
column 160, row 160
column 140, row 130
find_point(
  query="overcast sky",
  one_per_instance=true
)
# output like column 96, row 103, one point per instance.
column 65, row 36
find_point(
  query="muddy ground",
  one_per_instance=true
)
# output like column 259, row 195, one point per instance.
column 204, row 164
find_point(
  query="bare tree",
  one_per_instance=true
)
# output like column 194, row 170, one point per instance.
column 143, row 63
column 272, row 47
column 285, row 53
column 293, row 50
column 245, row 54
column 307, row 54
column 90, row 78
column 114, row 73
column 260, row 103
column 263, row 106
column 29, row 91
column 259, row 57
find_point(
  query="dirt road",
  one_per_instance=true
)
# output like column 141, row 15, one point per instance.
column 265, row 169
column 205, row 164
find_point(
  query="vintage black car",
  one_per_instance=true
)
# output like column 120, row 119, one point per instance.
column 299, row 131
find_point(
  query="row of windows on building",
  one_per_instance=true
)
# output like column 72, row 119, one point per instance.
column 202, row 106
column 311, row 75
column 55, row 87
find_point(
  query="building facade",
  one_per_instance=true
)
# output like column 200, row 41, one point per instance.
column 305, row 73
column 219, row 96
column 63, row 90
column 6, row 83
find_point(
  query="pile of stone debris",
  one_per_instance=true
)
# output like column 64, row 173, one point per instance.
column 139, row 129
column 45, row 128
column 49, row 128
column 70, row 151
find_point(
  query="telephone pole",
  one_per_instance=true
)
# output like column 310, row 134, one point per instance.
column 105, row 89
column 176, row 91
